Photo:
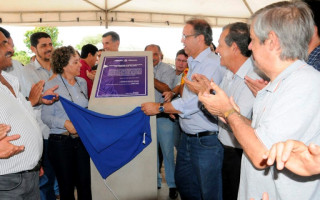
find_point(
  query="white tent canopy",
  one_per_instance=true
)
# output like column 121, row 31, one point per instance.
column 126, row 12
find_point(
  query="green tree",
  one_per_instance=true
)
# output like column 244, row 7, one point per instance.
column 52, row 31
column 21, row 56
column 89, row 40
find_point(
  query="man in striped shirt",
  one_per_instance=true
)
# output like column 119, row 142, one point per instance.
column 19, row 168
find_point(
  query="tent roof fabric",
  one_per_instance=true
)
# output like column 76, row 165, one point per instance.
column 126, row 12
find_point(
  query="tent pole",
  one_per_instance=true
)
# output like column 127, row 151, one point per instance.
column 247, row 5
column 106, row 13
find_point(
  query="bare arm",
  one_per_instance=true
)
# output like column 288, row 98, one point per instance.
column 152, row 108
column 160, row 86
column 220, row 105
column 69, row 126
column 169, row 95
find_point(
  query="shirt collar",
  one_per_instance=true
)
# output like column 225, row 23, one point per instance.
column 272, row 86
column 200, row 57
column 245, row 68
column 314, row 53
column 37, row 64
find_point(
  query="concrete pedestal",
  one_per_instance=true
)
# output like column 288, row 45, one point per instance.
column 138, row 178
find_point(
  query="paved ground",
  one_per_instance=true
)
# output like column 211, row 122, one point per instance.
column 163, row 193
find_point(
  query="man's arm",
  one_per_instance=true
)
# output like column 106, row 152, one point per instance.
column 160, row 86
column 152, row 108
column 169, row 95
column 295, row 156
column 220, row 105
column 69, row 126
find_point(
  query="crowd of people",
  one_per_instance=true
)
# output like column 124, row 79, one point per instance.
column 243, row 116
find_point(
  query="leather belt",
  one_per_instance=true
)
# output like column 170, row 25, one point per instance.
column 162, row 115
column 36, row 168
column 202, row 134
column 71, row 135
column 63, row 135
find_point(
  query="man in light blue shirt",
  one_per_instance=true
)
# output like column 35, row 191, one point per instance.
column 200, row 154
column 164, row 76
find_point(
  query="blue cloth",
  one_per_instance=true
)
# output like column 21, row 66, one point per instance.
column 314, row 58
column 111, row 141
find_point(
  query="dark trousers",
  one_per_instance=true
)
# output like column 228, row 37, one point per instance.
column 71, row 163
column 231, row 172
column 47, row 186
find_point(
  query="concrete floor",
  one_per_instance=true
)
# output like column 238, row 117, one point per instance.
column 163, row 193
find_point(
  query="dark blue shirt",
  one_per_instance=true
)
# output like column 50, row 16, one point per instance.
column 314, row 58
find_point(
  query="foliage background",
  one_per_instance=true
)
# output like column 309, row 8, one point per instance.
column 25, row 56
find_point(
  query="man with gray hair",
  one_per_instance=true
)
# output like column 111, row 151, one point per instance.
column 287, row 108
column 111, row 41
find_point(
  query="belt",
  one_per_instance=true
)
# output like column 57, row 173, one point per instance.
column 162, row 115
column 71, row 135
column 63, row 136
column 201, row 134
column 36, row 168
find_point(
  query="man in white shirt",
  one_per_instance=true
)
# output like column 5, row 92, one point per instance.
column 19, row 171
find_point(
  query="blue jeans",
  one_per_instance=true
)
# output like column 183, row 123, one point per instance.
column 165, row 139
column 176, row 132
column 198, row 172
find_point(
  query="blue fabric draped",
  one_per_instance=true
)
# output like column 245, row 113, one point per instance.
column 111, row 141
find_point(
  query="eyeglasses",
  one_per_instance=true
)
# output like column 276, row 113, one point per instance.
column 179, row 60
column 186, row 36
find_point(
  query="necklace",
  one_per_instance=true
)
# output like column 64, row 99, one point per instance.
column 85, row 96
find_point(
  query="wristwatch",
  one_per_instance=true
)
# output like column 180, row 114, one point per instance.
column 161, row 108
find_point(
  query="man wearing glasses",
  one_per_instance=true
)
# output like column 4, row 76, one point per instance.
column 200, row 154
